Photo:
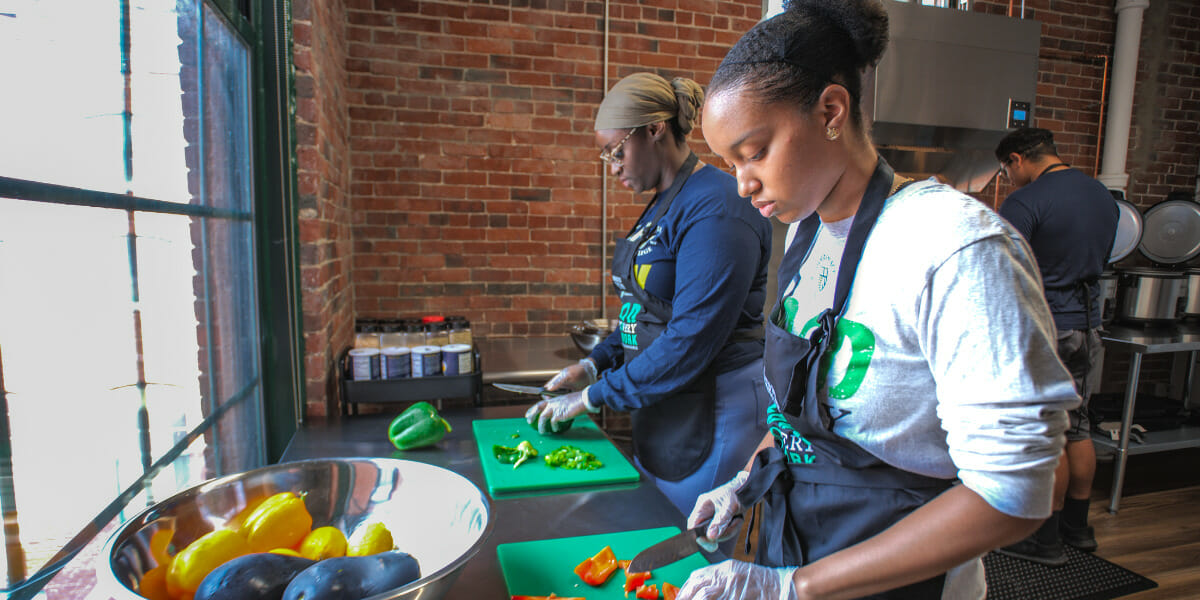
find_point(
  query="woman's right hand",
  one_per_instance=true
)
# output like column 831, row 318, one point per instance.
column 574, row 377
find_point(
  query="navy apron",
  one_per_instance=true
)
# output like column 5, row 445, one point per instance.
column 673, row 436
column 845, row 495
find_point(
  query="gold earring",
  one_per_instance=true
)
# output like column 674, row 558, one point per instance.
column 832, row 133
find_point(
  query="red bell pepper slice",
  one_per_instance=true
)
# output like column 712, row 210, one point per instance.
column 669, row 591
column 647, row 592
column 597, row 569
column 633, row 580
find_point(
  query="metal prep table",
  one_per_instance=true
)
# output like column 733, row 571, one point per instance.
column 584, row 511
column 1141, row 341
column 522, row 359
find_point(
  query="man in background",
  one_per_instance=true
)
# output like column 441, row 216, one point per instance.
column 1070, row 221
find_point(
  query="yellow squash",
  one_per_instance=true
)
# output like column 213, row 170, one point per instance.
column 279, row 522
column 200, row 557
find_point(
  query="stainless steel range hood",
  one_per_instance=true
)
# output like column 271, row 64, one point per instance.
column 948, row 89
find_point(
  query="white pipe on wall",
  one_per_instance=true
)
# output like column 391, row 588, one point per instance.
column 1120, row 98
column 604, row 193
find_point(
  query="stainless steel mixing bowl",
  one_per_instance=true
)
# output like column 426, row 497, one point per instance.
column 591, row 332
column 434, row 514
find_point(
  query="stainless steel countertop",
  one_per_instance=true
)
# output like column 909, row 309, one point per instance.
column 1151, row 339
column 523, row 359
column 586, row 511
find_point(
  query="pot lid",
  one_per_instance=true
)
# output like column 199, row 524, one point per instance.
column 1171, row 233
column 1129, row 231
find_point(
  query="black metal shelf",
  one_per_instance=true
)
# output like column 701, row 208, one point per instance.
column 407, row 389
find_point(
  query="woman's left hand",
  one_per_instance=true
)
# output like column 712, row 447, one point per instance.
column 737, row 580
column 555, row 410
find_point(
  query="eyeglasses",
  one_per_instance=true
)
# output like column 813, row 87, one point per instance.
column 1004, row 164
column 615, row 157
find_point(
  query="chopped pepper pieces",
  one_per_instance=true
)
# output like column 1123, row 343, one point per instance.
column 669, row 591
column 570, row 457
column 647, row 592
column 633, row 580
column 597, row 569
column 514, row 456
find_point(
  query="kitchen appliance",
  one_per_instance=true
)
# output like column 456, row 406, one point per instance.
column 950, row 85
column 436, row 515
column 1129, row 229
column 536, row 475
column 1191, row 308
column 542, row 567
column 1107, row 282
column 1171, row 234
column 1150, row 296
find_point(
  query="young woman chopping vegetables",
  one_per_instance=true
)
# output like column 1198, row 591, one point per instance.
column 686, row 360
column 919, row 404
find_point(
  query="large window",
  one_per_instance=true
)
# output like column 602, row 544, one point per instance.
column 140, row 223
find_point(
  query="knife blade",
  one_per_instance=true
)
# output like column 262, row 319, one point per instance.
column 676, row 548
column 528, row 389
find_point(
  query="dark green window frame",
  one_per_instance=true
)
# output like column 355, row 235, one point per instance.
column 266, row 26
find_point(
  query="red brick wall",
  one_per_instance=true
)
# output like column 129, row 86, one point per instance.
column 476, row 188
column 462, row 178
column 324, row 176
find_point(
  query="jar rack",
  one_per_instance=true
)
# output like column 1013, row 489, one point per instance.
column 407, row 389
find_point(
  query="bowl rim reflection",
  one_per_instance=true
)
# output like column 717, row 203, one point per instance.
column 125, row 531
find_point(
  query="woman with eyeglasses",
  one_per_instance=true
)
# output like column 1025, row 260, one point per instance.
column 686, row 360
column 919, row 403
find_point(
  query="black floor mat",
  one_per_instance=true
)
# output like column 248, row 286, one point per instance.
column 1084, row 577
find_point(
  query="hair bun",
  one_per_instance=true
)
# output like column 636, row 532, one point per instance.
column 865, row 21
column 690, row 97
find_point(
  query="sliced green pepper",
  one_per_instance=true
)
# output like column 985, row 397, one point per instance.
column 419, row 425
column 514, row 456
column 570, row 457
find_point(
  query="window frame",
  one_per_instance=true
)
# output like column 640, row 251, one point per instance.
column 265, row 26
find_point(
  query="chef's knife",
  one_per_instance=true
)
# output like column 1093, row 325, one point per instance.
column 529, row 389
column 675, row 548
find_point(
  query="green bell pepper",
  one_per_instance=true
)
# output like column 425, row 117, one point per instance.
column 514, row 456
column 418, row 426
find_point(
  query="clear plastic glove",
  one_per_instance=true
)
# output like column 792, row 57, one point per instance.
column 721, row 505
column 737, row 580
column 556, row 410
column 575, row 377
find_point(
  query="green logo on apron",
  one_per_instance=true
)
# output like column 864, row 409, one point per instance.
column 862, row 348
column 795, row 447
column 629, row 315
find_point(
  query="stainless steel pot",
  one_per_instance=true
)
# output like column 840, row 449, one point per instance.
column 1191, row 308
column 1107, row 283
column 1150, row 295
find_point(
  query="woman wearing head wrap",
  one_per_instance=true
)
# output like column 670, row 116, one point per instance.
column 686, row 360
column 919, row 406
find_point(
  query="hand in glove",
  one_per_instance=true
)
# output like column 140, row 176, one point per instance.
column 576, row 376
column 721, row 505
column 557, row 409
column 737, row 580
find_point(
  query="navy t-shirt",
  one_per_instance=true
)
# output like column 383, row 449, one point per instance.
column 1070, row 221
column 709, row 261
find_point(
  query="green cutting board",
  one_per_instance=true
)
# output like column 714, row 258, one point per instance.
column 534, row 474
column 540, row 567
